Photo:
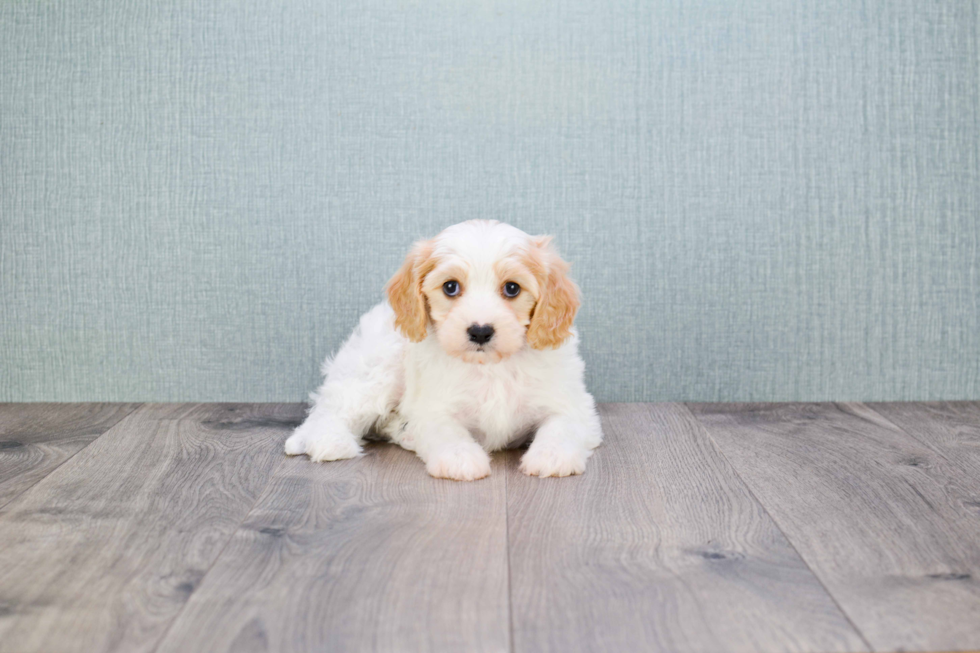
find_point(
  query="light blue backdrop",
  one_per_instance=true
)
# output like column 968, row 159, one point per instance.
column 763, row 200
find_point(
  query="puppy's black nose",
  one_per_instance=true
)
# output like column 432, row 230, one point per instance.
column 480, row 333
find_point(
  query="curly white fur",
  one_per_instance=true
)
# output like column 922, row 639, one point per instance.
column 410, row 373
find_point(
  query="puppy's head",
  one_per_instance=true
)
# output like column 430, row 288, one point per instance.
column 486, row 289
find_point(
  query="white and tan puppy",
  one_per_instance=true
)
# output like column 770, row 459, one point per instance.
column 473, row 351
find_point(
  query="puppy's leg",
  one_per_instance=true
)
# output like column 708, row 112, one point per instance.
column 362, row 385
column 562, row 445
column 343, row 413
column 448, row 450
column 323, row 436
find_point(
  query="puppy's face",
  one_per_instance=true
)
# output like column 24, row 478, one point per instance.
column 486, row 290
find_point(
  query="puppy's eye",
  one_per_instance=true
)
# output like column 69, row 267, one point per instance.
column 451, row 288
column 511, row 289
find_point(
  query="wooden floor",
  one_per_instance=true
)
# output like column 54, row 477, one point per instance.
column 702, row 527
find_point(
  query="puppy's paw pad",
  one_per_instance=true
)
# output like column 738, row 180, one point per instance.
column 554, row 460
column 460, row 463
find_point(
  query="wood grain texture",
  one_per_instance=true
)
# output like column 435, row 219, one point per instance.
column 950, row 428
column 887, row 523
column 369, row 554
column 658, row 547
column 36, row 438
column 182, row 527
column 102, row 553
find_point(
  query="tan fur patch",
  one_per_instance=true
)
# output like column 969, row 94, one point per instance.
column 554, row 312
column 405, row 291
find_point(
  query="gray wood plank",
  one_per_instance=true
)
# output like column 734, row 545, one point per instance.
column 884, row 521
column 103, row 553
column 369, row 554
column 659, row 547
column 37, row 438
column 950, row 428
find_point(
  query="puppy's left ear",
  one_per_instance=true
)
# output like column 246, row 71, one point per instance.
column 551, row 322
column 405, row 292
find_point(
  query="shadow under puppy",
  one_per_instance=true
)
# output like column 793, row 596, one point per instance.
column 473, row 351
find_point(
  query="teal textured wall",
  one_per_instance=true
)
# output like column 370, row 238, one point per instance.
column 763, row 200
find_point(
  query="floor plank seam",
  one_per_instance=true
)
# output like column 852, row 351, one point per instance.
column 144, row 511
column 755, row 497
column 938, row 451
column 30, row 487
column 231, row 537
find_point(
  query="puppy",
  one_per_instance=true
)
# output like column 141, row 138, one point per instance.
column 473, row 351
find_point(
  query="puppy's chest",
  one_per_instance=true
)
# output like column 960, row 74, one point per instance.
column 495, row 404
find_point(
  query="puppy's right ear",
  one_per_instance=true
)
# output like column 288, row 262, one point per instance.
column 405, row 291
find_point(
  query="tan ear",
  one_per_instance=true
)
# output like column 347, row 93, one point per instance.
column 405, row 292
column 554, row 313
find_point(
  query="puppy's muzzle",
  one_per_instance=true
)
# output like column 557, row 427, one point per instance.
column 480, row 333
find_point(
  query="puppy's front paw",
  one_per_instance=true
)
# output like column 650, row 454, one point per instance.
column 550, row 459
column 322, row 445
column 460, row 462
